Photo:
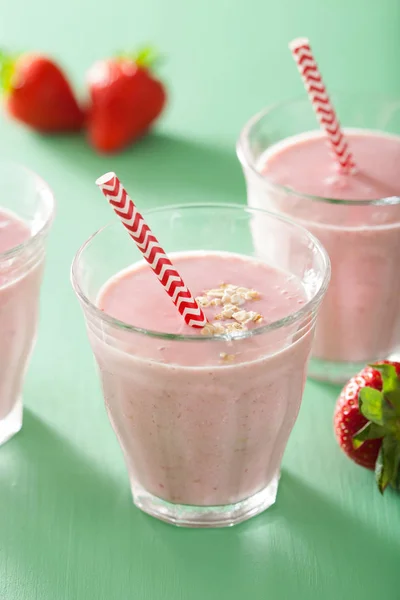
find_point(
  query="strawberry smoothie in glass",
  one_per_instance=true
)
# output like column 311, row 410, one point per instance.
column 289, row 170
column 26, row 214
column 203, row 416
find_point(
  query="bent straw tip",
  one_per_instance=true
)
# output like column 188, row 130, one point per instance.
column 298, row 43
column 106, row 178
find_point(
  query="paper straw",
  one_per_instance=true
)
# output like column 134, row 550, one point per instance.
column 323, row 108
column 148, row 245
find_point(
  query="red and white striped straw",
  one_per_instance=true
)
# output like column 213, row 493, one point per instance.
column 323, row 108
column 149, row 246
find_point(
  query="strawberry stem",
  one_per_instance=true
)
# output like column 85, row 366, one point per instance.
column 146, row 57
column 7, row 68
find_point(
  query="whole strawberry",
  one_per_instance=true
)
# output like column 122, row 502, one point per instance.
column 125, row 100
column 367, row 421
column 38, row 94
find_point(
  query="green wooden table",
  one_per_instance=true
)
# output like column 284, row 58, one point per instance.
column 68, row 529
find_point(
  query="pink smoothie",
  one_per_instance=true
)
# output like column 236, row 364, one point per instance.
column 203, row 421
column 20, row 277
column 359, row 320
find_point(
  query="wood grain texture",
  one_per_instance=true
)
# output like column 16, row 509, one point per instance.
column 68, row 530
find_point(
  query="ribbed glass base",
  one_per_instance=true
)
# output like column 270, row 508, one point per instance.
column 206, row 516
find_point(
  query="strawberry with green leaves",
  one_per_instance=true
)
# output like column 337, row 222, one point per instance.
column 37, row 93
column 125, row 100
column 367, row 421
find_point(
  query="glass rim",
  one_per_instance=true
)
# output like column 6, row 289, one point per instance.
column 45, row 189
column 244, row 156
column 317, row 297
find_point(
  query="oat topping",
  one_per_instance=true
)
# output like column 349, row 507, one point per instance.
column 231, row 298
column 202, row 301
column 237, row 299
column 226, row 357
column 257, row 318
column 213, row 329
column 217, row 293
column 227, row 312
column 241, row 316
column 231, row 327
column 216, row 302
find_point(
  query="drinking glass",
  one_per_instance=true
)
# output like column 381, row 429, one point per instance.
column 203, row 439
column 25, row 196
column 359, row 320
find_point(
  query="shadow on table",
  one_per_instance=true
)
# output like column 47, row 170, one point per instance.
column 162, row 164
column 52, row 499
column 305, row 546
column 62, row 514
column 49, row 463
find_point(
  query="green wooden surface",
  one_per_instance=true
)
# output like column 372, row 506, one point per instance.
column 68, row 529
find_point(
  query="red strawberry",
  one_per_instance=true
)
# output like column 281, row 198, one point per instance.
column 38, row 94
column 125, row 101
column 367, row 421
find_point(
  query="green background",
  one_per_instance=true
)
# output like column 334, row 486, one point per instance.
column 68, row 529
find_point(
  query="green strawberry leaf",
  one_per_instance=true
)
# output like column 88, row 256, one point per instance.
column 7, row 64
column 371, row 405
column 360, row 403
column 388, row 464
column 147, row 57
column 390, row 386
column 370, row 431
column 393, row 402
column 397, row 485
column 391, row 398
column 396, row 470
column 381, row 477
column 390, row 381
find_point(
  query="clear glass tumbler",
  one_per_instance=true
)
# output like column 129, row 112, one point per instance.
column 203, row 443
column 28, row 198
column 359, row 321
